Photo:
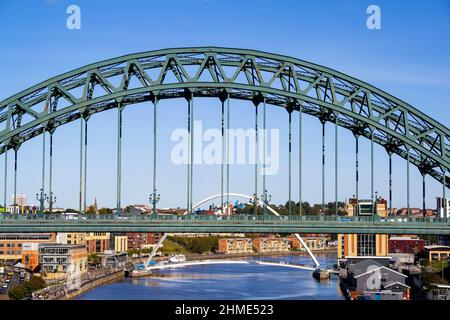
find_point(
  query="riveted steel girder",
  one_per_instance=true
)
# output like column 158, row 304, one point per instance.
column 243, row 74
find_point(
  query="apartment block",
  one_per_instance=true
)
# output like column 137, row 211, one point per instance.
column 235, row 245
column 11, row 243
column 272, row 244
column 70, row 259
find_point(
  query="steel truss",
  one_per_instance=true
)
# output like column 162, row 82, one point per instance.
column 242, row 74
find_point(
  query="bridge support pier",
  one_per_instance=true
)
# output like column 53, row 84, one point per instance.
column 255, row 201
column 119, row 158
column 357, row 173
column 81, row 166
column 85, row 163
column 408, row 212
column 423, row 195
column 190, row 126
column 300, row 128
column 15, row 181
column 42, row 194
column 443, row 183
column 290, row 160
column 374, row 201
column 228, row 150
column 390, row 183
column 323, row 167
column 264, row 195
column 50, row 176
column 336, row 190
column 222, row 141
column 5, row 185
column 154, row 198
column 192, row 152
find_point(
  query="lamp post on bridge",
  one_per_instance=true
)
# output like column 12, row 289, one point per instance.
column 254, row 201
column 154, row 199
column 375, row 206
column 41, row 196
column 51, row 200
column 266, row 199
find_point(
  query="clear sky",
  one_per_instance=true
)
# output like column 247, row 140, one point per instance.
column 408, row 57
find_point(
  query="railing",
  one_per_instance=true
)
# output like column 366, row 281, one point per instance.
column 236, row 219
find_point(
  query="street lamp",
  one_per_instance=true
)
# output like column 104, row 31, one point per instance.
column 154, row 198
column 254, row 201
column 266, row 199
column 41, row 196
column 51, row 200
column 376, row 202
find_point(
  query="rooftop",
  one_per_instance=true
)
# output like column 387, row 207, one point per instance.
column 437, row 247
column 61, row 245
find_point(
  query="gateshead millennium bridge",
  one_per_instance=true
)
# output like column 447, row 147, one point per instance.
column 298, row 86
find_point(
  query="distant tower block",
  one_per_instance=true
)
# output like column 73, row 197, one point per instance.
column 21, row 199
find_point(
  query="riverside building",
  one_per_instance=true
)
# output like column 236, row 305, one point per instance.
column 235, row 245
column 364, row 244
column 264, row 245
column 67, row 260
column 11, row 243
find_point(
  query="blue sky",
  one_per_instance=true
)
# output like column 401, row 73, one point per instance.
column 408, row 57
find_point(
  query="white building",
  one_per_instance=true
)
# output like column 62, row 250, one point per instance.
column 61, row 237
column 21, row 199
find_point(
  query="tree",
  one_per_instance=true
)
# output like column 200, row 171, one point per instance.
column 105, row 211
column 24, row 290
column 90, row 210
column 94, row 259
column 18, row 293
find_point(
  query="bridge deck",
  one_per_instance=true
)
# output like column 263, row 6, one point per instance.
column 212, row 224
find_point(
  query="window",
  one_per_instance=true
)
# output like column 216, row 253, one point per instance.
column 366, row 245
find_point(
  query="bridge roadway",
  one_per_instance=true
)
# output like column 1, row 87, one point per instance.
column 211, row 224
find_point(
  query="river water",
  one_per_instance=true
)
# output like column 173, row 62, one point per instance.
column 227, row 281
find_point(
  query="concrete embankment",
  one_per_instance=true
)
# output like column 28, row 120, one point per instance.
column 95, row 283
column 59, row 292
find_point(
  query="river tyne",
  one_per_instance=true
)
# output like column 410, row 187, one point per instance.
column 230, row 282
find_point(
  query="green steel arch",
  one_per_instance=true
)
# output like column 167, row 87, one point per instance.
column 238, row 74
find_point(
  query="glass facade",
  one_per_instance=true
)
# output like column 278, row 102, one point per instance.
column 366, row 245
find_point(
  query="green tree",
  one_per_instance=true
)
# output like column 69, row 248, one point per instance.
column 18, row 293
column 94, row 259
column 25, row 289
column 90, row 210
column 105, row 211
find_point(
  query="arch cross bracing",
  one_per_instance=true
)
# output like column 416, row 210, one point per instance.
column 238, row 74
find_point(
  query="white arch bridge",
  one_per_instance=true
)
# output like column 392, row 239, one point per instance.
column 239, row 195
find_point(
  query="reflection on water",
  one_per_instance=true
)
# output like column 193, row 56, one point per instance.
column 227, row 281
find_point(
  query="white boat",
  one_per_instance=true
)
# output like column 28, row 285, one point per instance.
column 178, row 258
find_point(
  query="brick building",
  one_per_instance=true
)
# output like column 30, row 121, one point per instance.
column 235, row 245
column 272, row 244
column 141, row 240
column 11, row 243
column 406, row 245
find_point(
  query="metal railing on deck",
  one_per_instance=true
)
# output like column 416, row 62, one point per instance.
column 235, row 219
